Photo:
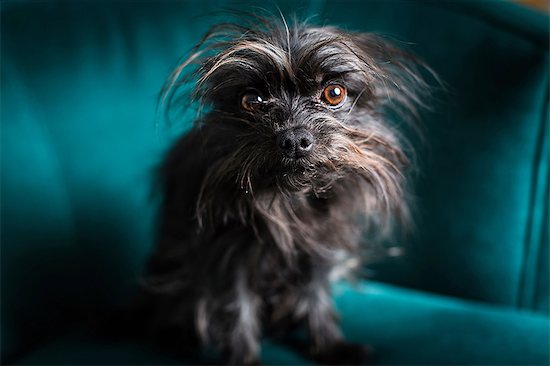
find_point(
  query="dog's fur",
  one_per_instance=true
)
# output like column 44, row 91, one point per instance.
column 248, row 237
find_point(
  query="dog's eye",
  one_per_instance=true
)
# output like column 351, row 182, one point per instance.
column 334, row 94
column 251, row 100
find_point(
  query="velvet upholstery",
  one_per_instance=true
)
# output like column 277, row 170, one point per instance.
column 404, row 327
column 79, row 143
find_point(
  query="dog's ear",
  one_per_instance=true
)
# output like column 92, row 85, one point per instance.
column 186, row 84
column 178, row 89
column 221, row 64
column 400, row 81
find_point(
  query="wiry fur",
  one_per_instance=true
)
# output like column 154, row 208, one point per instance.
column 248, row 237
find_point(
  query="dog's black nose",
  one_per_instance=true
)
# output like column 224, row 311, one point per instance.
column 295, row 143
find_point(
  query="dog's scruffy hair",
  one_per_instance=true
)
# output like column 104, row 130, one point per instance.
column 294, row 161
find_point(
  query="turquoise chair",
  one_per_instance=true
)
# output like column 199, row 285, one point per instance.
column 79, row 143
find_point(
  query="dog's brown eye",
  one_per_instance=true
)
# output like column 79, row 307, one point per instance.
column 334, row 94
column 251, row 100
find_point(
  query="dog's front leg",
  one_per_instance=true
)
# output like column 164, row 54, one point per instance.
column 234, row 324
column 321, row 320
column 327, row 342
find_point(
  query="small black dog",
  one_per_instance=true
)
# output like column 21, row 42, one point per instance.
column 297, row 159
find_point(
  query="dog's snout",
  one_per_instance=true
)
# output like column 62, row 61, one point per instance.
column 295, row 143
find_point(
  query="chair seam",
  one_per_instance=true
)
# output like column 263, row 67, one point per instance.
column 533, row 240
column 543, row 237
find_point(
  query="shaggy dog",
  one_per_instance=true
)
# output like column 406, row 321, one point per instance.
column 295, row 160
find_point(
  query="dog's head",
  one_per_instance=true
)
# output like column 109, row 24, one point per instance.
column 304, row 107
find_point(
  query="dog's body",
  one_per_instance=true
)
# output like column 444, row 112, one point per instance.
column 278, row 182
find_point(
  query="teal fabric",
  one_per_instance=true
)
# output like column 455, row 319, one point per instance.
column 79, row 142
column 403, row 326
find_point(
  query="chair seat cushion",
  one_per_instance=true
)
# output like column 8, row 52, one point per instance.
column 403, row 327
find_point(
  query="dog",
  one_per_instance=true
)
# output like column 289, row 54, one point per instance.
column 297, row 156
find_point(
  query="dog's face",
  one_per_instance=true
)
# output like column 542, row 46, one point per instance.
column 304, row 107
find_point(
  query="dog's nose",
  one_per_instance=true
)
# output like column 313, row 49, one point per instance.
column 295, row 143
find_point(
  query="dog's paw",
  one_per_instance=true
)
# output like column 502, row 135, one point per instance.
column 242, row 361
column 344, row 353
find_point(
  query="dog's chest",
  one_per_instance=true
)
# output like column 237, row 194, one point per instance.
column 280, row 282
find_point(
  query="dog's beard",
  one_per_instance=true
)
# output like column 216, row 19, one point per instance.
column 346, row 161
